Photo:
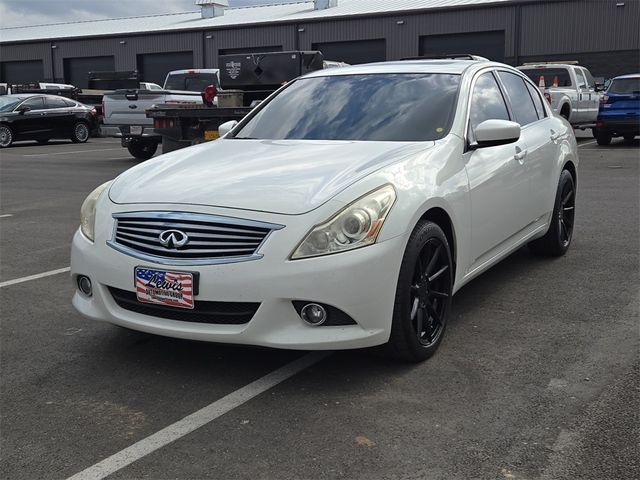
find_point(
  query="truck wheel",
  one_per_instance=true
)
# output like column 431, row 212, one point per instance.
column 142, row 149
column 565, row 112
column 594, row 132
column 603, row 138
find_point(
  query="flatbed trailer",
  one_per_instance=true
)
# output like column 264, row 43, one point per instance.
column 185, row 125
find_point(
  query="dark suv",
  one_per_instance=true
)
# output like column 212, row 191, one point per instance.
column 619, row 114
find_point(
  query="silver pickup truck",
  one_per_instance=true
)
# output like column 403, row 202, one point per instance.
column 570, row 89
column 124, row 110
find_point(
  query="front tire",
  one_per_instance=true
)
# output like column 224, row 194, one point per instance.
column 80, row 132
column 423, row 295
column 142, row 149
column 6, row 136
column 558, row 238
column 603, row 138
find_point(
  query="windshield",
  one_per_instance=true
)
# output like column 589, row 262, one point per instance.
column 192, row 82
column 551, row 75
column 625, row 85
column 378, row 107
column 9, row 103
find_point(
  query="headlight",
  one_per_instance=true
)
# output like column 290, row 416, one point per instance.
column 355, row 226
column 88, row 211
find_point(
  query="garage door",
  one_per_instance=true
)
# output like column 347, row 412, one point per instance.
column 76, row 70
column 21, row 72
column 153, row 67
column 238, row 51
column 361, row 51
column 485, row 44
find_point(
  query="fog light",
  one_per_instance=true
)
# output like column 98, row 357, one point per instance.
column 84, row 285
column 313, row 314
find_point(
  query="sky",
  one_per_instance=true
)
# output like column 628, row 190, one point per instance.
column 14, row 13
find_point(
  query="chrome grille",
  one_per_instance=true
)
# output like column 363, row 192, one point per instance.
column 211, row 238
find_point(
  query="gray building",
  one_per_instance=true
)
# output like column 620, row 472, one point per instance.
column 602, row 35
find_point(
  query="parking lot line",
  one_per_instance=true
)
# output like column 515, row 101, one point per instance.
column 34, row 277
column 6, row 215
column 71, row 151
column 588, row 143
column 197, row 419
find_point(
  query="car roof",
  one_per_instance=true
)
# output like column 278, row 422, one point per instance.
column 454, row 67
column 629, row 75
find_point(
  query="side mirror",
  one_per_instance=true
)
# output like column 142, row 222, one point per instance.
column 599, row 87
column 226, row 127
column 496, row 132
column 23, row 109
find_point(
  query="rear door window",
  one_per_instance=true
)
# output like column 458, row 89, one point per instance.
column 537, row 100
column 519, row 98
column 53, row 102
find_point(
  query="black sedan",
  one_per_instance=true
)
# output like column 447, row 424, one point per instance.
column 43, row 117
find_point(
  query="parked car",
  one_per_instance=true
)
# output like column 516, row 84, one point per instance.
column 343, row 212
column 619, row 114
column 124, row 110
column 570, row 89
column 43, row 117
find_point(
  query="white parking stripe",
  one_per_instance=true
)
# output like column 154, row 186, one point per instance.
column 588, row 143
column 6, row 215
column 33, row 277
column 196, row 420
column 69, row 152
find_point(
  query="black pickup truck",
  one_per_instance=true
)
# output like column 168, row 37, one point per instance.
column 245, row 80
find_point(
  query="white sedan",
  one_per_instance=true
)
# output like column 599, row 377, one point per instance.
column 343, row 212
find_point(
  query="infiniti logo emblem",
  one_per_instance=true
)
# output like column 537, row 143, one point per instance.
column 173, row 239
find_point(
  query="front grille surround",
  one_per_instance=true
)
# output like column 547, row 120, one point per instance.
column 213, row 239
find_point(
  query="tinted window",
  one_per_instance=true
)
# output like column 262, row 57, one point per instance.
column 192, row 82
column 625, row 85
column 590, row 81
column 486, row 101
column 561, row 75
column 537, row 100
column 382, row 107
column 7, row 104
column 582, row 83
column 519, row 98
column 53, row 102
column 36, row 103
column 69, row 103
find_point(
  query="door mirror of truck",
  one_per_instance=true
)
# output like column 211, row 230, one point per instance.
column 226, row 127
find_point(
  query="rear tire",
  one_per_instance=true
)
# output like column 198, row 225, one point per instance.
column 603, row 138
column 6, row 136
column 565, row 112
column 558, row 238
column 142, row 149
column 80, row 132
column 423, row 295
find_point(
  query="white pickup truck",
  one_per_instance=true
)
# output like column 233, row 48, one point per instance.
column 569, row 88
column 124, row 110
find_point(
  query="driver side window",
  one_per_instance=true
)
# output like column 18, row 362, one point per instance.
column 487, row 102
column 36, row 103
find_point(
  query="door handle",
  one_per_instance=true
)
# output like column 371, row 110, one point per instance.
column 520, row 154
column 554, row 136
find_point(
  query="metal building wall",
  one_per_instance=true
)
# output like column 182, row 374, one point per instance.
column 532, row 30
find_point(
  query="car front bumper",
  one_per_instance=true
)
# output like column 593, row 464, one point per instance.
column 361, row 283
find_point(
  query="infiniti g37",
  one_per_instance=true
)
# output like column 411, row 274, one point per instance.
column 343, row 212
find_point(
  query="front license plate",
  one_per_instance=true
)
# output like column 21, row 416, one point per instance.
column 211, row 134
column 136, row 130
column 173, row 289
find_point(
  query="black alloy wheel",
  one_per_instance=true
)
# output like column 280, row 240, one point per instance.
column 6, row 136
column 423, row 295
column 558, row 238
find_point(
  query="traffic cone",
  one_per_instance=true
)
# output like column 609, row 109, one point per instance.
column 541, row 82
column 555, row 81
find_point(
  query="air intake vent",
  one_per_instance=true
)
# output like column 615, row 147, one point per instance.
column 324, row 4
column 212, row 8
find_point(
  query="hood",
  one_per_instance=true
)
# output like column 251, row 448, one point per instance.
column 275, row 176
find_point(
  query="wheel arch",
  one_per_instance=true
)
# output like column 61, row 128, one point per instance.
column 571, row 168
column 440, row 217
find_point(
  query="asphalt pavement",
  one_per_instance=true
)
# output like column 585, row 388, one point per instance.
column 538, row 376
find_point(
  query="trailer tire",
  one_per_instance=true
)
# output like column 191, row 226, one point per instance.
column 142, row 149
